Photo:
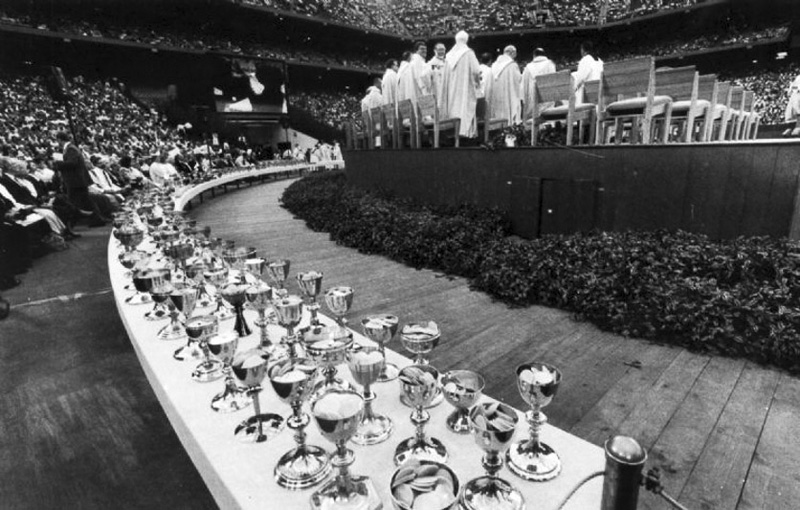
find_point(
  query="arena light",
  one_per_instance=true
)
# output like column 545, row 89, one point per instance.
column 781, row 55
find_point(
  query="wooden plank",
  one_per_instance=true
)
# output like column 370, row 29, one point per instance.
column 681, row 441
column 755, row 218
column 604, row 418
column 774, row 478
column 718, row 476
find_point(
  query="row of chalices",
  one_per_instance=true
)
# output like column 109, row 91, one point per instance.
column 302, row 369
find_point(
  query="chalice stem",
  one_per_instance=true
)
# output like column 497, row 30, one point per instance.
column 536, row 420
column 369, row 396
column 257, row 409
column 298, row 424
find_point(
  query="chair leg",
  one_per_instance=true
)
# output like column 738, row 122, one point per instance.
column 667, row 125
column 618, row 131
column 592, row 130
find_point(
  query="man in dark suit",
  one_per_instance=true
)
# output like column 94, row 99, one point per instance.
column 74, row 170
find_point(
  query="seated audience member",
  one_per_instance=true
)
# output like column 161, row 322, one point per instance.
column 163, row 173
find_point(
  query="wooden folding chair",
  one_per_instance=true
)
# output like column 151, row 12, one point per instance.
column 735, row 113
column 407, row 123
column 742, row 131
column 347, row 127
column 753, row 121
column 429, row 120
column 553, row 99
column 720, row 112
column 681, row 84
column 486, row 126
column 627, row 95
column 707, row 90
column 389, row 128
column 376, row 124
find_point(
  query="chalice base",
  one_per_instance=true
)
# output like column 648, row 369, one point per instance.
column 389, row 373
column 188, row 352
column 207, row 371
column 223, row 314
column 428, row 449
column 458, row 421
column 373, row 430
column 435, row 401
column 533, row 461
column 139, row 299
column 172, row 332
column 491, row 493
column 360, row 495
column 247, row 431
column 302, row 467
column 230, row 401
column 156, row 315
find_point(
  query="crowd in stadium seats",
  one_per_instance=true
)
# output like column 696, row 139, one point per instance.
column 771, row 88
column 197, row 38
column 330, row 108
column 120, row 142
column 428, row 18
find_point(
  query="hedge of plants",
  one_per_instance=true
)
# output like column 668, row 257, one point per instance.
column 738, row 297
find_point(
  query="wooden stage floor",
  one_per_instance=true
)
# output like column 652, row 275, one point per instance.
column 726, row 433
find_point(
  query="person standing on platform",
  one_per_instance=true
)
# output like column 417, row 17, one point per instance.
column 374, row 97
column 414, row 80
column 538, row 66
column 437, row 71
column 389, row 82
column 793, row 108
column 461, row 83
column 486, row 71
column 503, row 86
column 589, row 69
column 74, row 171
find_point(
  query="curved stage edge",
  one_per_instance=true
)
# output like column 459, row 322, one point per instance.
column 240, row 476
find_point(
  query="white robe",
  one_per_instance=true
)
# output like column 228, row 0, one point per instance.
column 414, row 80
column 502, row 90
column 589, row 69
column 793, row 106
column 437, row 78
column 460, row 85
column 486, row 72
column 539, row 66
column 389, row 87
column 373, row 99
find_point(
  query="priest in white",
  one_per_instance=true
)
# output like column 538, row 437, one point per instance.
column 503, row 87
column 374, row 97
column 461, row 83
column 589, row 69
column 389, row 82
column 437, row 72
column 538, row 66
column 414, row 80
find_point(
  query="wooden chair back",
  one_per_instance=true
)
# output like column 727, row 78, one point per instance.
column 406, row 114
column 737, row 98
column 389, row 125
column 347, row 127
column 549, row 88
column 679, row 83
column 428, row 112
column 724, row 93
column 707, row 88
column 369, row 128
column 627, row 79
column 749, row 100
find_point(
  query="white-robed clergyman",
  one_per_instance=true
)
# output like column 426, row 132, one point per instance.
column 461, row 82
column 503, row 88
column 414, row 80
column 437, row 64
column 389, row 82
column 539, row 66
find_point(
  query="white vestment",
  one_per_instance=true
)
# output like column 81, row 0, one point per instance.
column 437, row 78
column 389, row 87
column 461, row 82
column 486, row 72
column 589, row 69
column 414, row 80
column 793, row 106
column 539, row 66
column 373, row 99
column 502, row 90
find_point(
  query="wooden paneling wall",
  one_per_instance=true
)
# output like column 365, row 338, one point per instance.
column 722, row 190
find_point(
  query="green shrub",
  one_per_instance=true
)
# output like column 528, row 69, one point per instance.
column 739, row 297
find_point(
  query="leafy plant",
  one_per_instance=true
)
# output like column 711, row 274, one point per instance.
column 739, row 297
